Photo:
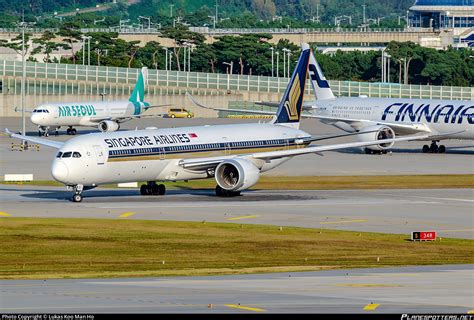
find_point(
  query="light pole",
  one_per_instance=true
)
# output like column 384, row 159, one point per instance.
column 387, row 78
column 166, row 59
column 121, row 23
column 171, row 10
column 100, row 20
column 231, row 64
column 189, row 56
column 216, row 15
column 271, row 48
column 278, row 61
column 288, row 64
column 363, row 13
column 149, row 21
column 23, row 78
column 285, row 53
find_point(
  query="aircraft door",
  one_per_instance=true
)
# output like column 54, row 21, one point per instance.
column 99, row 154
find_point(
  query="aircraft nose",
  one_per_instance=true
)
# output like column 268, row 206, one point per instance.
column 34, row 118
column 59, row 171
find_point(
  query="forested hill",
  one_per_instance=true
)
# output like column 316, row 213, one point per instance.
column 300, row 9
column 263, row 9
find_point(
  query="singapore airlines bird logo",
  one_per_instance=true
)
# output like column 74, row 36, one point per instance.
column 293, row 97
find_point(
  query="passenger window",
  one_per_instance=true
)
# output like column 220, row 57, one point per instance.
column 59, row 155
column 76, row 155
column 67, row 154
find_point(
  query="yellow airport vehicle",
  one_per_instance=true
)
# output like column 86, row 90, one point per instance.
column 179, row 113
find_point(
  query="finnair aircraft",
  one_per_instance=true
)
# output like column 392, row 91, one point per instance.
column 385, row 117
column 234, row 155
column 391, row 117
column 105, row 115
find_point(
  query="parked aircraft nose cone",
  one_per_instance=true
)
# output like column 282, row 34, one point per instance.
column 59, row 171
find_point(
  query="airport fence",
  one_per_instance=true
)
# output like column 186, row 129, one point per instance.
column 50, row 78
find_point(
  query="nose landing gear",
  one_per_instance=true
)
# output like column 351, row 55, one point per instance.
column 71, row 131
column 77, row 197
column 43, row 131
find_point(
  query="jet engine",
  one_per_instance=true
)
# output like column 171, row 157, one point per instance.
column 108, row 126
column 236, row 174
column 378, row 133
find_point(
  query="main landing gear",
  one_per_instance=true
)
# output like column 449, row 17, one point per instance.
column 151, row 188
column 370, row 151
column 71, row 131
column 226, row 193
column 77, row 197
column 434, row 148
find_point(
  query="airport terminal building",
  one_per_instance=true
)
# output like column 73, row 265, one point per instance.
column 442, row 14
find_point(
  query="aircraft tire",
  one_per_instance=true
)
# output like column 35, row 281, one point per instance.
column 144, row 190
column 73, row 131
column 77, row 198
column 442, row 149
column 425, row 149
column 155, row 190
column 161, row 189
column 220, row 191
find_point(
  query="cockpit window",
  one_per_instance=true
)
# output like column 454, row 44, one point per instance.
column 59, row 155
column 41, row 111
column 67, row 154
column 76, row 155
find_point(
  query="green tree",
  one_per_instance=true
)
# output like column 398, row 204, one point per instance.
column 46, row 45
column 182, row 36
column 71, row 34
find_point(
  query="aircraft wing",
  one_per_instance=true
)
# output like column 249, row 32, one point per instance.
column 212, row 162
column 45, row 142
column 398, row 128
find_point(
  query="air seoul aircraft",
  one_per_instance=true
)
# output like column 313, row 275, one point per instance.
column 234, row 155
column 105, row 115
column 386, row 117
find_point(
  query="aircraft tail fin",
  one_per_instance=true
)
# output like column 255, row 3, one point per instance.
column 291, row 104
column 318, row 81
column 138, row 94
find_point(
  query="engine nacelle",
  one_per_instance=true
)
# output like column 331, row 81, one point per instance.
column 236, row 174
column 108, row 126
column 380, row 133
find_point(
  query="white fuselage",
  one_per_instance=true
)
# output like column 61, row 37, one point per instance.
column 155, row 155
column 453, row 118
column 82, row 113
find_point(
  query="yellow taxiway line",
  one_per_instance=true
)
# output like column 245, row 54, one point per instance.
column 237, row 306
column 342, row 221
column 126, row 214
column 371, row 306
column 244, row 217
column 4, row 214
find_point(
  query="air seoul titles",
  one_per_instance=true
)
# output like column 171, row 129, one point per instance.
column 437, row 114
column 76, row 111
column 161, row 139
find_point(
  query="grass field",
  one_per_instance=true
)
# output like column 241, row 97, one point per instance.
column 325, row 182
column 37, row 248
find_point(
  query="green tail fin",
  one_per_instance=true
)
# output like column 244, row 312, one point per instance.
column 138, row 94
